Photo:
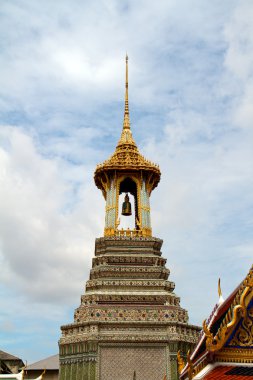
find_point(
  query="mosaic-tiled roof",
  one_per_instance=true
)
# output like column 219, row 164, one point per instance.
column 127, row 157
column 230, row 373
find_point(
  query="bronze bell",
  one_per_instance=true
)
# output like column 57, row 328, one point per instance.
column 126, row 206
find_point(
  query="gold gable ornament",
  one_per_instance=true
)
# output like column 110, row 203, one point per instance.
column 215, row 343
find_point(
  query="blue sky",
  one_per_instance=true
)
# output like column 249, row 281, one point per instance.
column 61, row 111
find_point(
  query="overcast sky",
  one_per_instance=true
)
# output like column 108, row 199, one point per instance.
column 61, row 106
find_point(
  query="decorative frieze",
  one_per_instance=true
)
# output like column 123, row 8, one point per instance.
column 129, row 272
column 150, row 299
column 127, row 283
column 131, row 314
column 116, row 244
column 141, row 334
column 129, row 260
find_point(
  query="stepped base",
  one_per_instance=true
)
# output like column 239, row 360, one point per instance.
column 129, row 319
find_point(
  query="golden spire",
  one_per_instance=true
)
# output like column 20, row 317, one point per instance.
column 126, row 123
column 126, row 134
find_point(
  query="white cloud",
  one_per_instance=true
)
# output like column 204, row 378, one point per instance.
column 203, row 207
column 42, row 242
column 239, row 61
column 238, row 33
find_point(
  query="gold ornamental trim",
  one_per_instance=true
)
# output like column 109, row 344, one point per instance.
column 235, row 355
column 126, row 158
column 236, row 311
column 144, row 232
column 244, row 335
column 180, row 362
column 215, row 343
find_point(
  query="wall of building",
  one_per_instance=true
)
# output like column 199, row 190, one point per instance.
column 121, row 362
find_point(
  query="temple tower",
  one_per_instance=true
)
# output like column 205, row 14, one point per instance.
column 130, row 323
column 127, row 171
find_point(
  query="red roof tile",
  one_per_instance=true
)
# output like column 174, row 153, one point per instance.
column 223, row 373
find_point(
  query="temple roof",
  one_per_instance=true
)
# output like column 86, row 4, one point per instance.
column 6, row 356
column 50, row 363
column 227, row 334
column 126, row 156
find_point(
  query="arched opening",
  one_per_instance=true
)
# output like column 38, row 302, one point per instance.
column 128, row 186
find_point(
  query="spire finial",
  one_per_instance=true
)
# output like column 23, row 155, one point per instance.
column 126, row 123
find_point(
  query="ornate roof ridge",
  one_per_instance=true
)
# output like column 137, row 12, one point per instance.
column 236, row 298
column 215, row 337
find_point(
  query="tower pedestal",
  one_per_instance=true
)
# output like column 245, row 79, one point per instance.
column 129, row 319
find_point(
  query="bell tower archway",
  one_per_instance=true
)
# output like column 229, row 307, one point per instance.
column 128, row 207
